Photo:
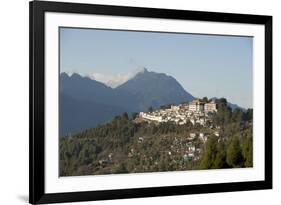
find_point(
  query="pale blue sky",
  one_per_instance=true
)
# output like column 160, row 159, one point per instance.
column 205, row 65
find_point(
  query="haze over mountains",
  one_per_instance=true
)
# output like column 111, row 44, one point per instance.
column 85, row 102
column 114, row 81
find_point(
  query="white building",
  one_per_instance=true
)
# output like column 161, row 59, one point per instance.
column 217, row 133
column 192, row 135
column 203, row 137
column 151, row 117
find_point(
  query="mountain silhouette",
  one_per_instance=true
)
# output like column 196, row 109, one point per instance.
column 155, row 89
column 85, row 103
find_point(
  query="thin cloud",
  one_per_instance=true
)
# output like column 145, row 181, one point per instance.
column 115, row 80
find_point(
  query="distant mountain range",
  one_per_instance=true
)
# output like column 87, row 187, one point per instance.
column 85, row 103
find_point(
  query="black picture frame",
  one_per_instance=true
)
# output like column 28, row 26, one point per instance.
column 37, row 9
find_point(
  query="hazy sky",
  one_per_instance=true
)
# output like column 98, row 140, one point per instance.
column 205, row 65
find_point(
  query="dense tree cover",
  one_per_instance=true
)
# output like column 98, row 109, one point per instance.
column 122, row 146
column 235, row 152
column 205, row 99
column 235, row 147
column 125, row 146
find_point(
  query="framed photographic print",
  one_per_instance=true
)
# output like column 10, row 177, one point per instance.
column 140, row 102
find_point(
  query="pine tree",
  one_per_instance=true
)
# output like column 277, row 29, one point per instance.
column 234, row 156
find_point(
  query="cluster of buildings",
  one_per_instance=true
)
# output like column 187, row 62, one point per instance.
column 197, row 111
column 193, row 152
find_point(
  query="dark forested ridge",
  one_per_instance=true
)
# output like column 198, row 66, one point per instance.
column 124, row 145
column 77, row 115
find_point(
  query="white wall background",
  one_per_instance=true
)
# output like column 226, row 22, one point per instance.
column 14, row 44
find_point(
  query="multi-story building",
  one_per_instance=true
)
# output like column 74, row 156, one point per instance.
column 196, row 106
column 210, row 107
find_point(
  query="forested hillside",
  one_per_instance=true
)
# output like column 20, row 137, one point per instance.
column 125, row 145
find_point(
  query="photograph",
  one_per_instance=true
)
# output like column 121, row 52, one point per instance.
column 132, row 101
column 148, row 101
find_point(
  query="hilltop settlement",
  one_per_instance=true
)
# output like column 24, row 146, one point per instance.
column 200, row 134
column 197, row 111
